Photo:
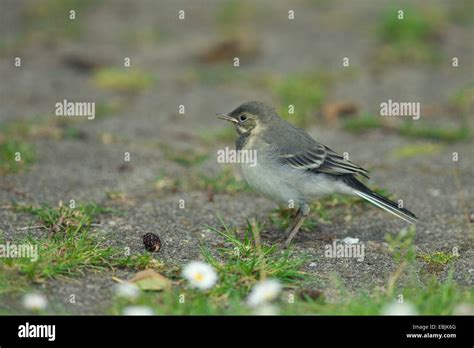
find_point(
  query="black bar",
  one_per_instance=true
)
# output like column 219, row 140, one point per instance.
column 196, row 330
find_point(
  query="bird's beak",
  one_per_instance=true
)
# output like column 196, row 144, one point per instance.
column 227, row 118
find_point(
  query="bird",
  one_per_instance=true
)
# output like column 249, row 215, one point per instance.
column 293, row 168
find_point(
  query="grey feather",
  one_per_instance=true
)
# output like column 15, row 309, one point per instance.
column 294, row 147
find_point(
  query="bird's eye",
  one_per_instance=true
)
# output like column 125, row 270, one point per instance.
column 242, row 118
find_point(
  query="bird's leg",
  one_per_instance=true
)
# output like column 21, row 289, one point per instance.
column 293, row 223
column 296, row 225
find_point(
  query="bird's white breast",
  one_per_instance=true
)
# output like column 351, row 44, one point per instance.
column 270, row 183
column 285, row 184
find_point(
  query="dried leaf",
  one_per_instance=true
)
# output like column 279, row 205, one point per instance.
column 243, row 47
column 151, row 280
column 334, row 111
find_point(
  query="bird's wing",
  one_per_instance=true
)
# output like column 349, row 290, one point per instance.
column 336, row 164
column 310, row 155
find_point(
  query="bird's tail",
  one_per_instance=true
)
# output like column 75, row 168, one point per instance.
column 386, row 204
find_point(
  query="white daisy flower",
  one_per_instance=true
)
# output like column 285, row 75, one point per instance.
column 200, row 275
column 127, row 290
column 264, row 292
column 396, row 308
column 464, row 309
column 137, row 310
column 266, row 309
column 34, row 301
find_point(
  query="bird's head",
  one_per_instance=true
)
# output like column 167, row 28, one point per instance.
column 250, row 117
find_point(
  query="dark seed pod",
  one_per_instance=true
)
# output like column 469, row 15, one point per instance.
column 152, row 242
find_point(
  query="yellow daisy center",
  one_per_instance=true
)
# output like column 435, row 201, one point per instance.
column 198, row 277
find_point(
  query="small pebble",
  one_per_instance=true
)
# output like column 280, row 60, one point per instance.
column 434, row 192
column 349, row 240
